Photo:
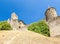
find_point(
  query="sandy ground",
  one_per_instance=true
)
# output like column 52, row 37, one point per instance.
column 25, row 37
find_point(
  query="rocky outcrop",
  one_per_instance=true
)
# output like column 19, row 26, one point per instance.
column 15, row 23
column 53, row 21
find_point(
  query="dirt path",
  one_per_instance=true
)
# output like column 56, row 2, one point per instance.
column 25, row 37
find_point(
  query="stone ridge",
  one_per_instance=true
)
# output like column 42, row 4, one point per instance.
column 15, row 23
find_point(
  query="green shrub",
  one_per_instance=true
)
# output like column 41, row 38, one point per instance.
column 5, row 26
column 40, row 27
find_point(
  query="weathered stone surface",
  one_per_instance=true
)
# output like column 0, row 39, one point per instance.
column 15, row 23
column 53, row 21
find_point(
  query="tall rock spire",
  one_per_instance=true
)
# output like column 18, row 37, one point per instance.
column 14, row 16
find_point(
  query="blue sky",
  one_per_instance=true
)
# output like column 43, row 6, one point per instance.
column 28, row 10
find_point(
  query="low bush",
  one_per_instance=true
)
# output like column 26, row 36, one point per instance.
column 40, row 27
column 5, row 26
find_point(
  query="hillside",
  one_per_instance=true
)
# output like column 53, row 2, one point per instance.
column 25, row 37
